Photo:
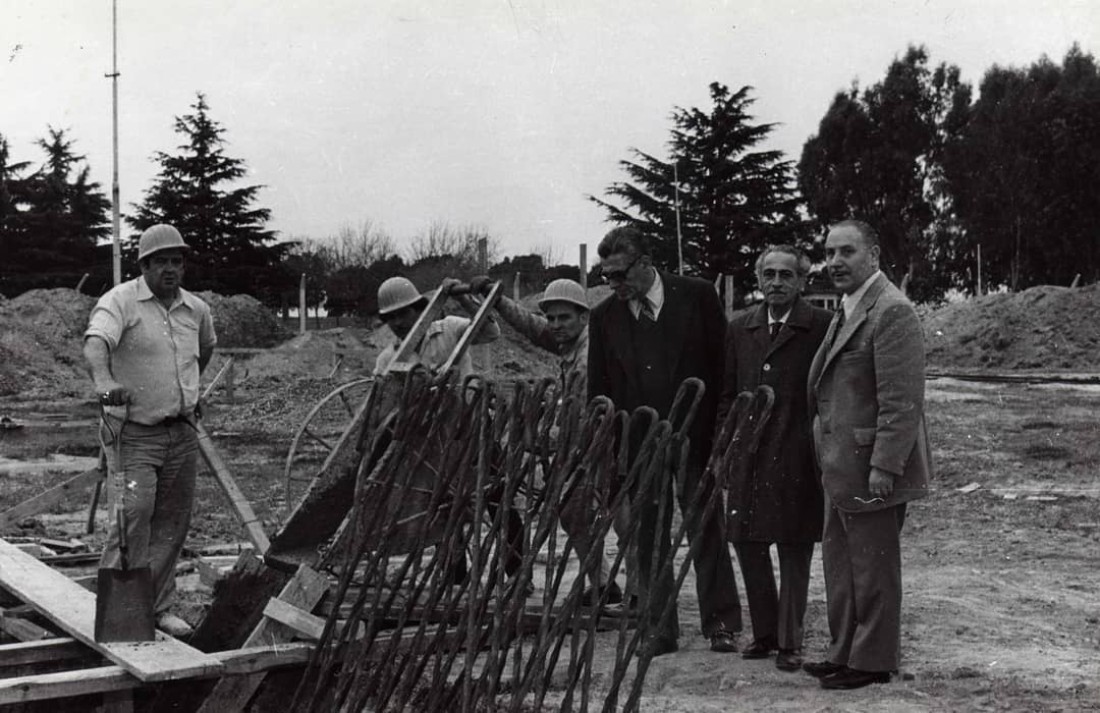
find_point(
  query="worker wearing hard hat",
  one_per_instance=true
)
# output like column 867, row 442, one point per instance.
column 400, row 305
column 147, row 342
column 561, row 328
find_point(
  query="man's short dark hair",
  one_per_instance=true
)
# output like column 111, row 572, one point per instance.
column 800, row 257
column 870, row 235
column 625, row 239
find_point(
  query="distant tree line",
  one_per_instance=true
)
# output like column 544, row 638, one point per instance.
column 940, row 173
column 1016, row 171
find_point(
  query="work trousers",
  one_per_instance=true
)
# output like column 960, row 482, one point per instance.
column 776, row 616
column 155, row 484
column 861, row 553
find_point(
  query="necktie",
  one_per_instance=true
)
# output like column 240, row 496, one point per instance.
column 839, row 323
column 775, row 327
column 647, row 310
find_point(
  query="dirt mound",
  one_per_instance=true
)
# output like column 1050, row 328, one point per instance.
column 41, row 335
column 242, row 321
column 1045, row 327
column 40, row 344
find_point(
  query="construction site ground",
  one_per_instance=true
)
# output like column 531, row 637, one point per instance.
column 1001, row 562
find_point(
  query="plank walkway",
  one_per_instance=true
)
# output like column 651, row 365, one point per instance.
column 72, row 608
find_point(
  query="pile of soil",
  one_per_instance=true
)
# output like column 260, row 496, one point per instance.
column 1044, row 327
column 41, row 338
column 40, row 344
column 242, row 321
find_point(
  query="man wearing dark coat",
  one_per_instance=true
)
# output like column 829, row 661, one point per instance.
column 656, row 331
column 776, row 498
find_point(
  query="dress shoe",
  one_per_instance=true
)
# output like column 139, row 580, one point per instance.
column 173, row 625
column 788, row 660
column 592, row 595
column 757, row 650
column 723, row 641
column 852, row 678
column 821, row 669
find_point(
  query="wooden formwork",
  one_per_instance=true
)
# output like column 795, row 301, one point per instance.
column 44, row 665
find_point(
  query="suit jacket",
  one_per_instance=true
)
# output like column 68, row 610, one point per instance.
column 866, row 392
column 777, row 497
column 695, row 327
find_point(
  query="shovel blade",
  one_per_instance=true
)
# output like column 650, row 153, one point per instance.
column 124, row 605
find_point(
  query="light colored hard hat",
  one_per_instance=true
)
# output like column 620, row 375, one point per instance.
column 564, row 290
column 160, row 237
column 395, row 294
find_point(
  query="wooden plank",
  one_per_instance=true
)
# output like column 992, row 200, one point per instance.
column 46, row 500
column 232, row 693
column 304, row 590
column 23, row 630
column 71, row 607
column 31, row 652
column 102, row 679
column 304, row 623
column 237, row 500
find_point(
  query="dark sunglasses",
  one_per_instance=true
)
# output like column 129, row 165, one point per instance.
column 618, row 275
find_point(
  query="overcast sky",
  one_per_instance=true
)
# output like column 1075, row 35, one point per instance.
column 503, row 114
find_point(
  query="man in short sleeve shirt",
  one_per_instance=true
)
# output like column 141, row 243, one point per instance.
column 147, row 343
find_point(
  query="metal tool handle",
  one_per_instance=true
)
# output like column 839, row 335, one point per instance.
column 120, row 474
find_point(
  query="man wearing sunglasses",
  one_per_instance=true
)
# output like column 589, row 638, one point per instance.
column 658, row 330
column 147, row 342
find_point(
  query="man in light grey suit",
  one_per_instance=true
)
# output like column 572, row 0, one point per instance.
column 866, row 391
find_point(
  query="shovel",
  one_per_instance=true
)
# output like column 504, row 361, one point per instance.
column 124, row 596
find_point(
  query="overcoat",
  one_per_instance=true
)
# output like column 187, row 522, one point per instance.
column 777, row 498
column 866, row 393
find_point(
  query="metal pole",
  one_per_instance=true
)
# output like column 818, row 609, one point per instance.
column 584, row 265
column 979, row 270
column 116, row 249
column 302, row 304
column 676, row 203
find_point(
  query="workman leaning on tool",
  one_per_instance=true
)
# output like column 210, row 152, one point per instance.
column 400, row 305
column 147, row 342
column 562, row 328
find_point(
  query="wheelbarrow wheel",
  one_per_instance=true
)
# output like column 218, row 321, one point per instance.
column 316, row 437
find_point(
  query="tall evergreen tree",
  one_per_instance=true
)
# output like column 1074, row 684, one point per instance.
column 52, row 219
column 876, row 157
column 233, row 250
column 733, row 198
column 1025, row 172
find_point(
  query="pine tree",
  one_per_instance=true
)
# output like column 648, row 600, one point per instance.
column 233, row 251
column 51, row 220
column 733, row 199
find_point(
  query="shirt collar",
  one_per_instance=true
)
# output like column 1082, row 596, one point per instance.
column 655, row 294
column 570, row 355
column 144, row 293
column 849, row 302
column 781, row 320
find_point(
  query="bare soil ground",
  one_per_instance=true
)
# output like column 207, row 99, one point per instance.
column 1001, row 606
column 1002, row 584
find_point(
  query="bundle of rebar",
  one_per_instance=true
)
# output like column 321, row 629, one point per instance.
column 457, row 518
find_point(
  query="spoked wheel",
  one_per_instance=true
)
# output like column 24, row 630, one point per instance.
column 317, row 436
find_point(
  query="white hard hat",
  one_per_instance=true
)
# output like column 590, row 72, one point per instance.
column 564, row 291
column 395, row 294
column 160, row 237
